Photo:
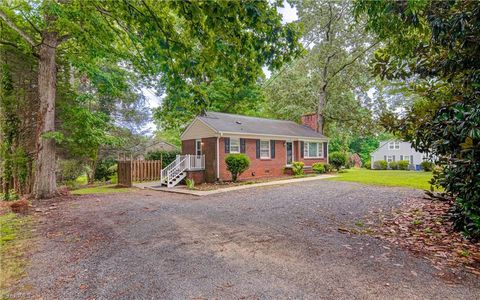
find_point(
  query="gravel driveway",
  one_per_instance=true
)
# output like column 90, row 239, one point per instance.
column 265, row 243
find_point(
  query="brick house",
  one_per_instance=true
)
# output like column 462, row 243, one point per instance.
column 271, row 145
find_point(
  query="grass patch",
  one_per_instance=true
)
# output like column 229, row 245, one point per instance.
column 14, row 234
column 81, row 180
column 102, row 189
column 410, row 179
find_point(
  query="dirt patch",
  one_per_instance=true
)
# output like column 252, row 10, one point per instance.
column 422, row 226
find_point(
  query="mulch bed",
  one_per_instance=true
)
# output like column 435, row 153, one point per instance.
column 227, row 184
column 422, row 227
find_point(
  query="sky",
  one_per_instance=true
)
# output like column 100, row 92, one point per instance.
column 289, row 14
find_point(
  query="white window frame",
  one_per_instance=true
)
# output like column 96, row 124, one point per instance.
column 268, row 149
column 237, row 140
column 389, row 158
column 198, row 147
column 306, row 150
column 394, row 145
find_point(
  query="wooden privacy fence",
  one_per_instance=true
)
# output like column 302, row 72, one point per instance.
column 138, row 170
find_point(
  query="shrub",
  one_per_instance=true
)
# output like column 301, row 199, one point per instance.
column 297, row 168
column 368, row 165
column 190, row 183
column 68, row 170
column 10, row 196
column 105, row 169
column 167, row 157
column 237, row 164
column 380, row 165
column 337, row 159
column 393, row 165
column 403, row 164
column 318, row 168
column 427, row 166
column 328, row 168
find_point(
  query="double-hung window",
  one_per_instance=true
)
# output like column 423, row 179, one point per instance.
column 198, row 147
column 234, row 145
column 312, row 150
column 393, row 145
column 264, row 149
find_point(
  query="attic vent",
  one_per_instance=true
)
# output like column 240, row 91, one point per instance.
column 238, row 122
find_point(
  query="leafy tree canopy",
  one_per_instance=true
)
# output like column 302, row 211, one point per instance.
column 180, row 46
column 434, row 47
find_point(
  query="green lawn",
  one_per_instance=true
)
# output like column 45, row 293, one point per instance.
column 410, row 179
column 101, row 189
column 14, row 240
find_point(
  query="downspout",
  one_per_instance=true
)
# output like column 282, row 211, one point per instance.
column 218, row 158
column 327, row 151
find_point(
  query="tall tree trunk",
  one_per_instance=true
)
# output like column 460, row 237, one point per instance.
column 45, row 185
column 322, row 99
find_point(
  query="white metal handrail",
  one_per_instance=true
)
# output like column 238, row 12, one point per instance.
column 179, row 167
column 182, row 163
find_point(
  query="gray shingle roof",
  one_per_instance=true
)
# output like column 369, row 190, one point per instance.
column 223, row 122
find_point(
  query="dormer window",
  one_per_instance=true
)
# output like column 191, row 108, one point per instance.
column 393, row 145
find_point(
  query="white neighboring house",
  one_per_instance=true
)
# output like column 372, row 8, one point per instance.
column 394, row 150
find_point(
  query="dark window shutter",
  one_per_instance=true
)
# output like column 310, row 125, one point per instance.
column 272, row 149
column 227, row 145
column 258, row 148
column 401, row 157
column 242, row 145
column 385, row 158
column 325, row 149
column 302, row 145
column 393, row 158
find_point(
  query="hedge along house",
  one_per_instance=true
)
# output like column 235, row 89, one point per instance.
column 271, row 145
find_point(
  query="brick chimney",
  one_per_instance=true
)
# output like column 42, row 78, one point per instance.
column 310, row 120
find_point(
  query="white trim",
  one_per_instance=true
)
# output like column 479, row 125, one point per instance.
column 269, row 149
column 218, row 158
column 196, row 146
column 247, row 134
column 286, row 153
column 319, row 147
column 271, row 136
column 394, row 144
column 193, row 122
column 230, row 145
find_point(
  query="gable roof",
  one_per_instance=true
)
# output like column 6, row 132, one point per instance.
column 244, row 125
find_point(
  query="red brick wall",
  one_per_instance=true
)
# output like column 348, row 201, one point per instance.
column 307, row 161
column 259, row 168
column 209, row 149
column 197, row 176
column 188, row 147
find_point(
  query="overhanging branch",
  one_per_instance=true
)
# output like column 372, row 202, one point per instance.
column 17, row 29
column 353, row 60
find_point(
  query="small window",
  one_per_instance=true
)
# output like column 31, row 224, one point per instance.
column 313, row 150
column 198, row 147
column 389, row 158
column 393, row 145
column 234, row 145
column 264, row 149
